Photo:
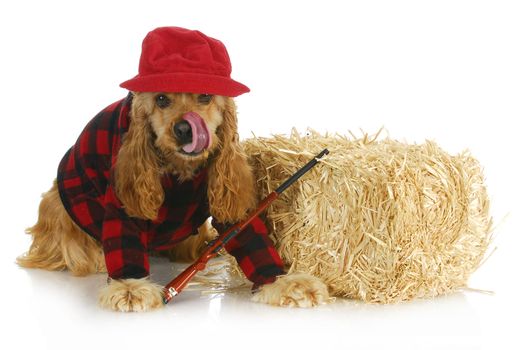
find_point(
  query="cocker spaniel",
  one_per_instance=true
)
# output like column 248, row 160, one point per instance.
column 144, row 176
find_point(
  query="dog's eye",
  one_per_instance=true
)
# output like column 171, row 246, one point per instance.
column 162, row 101
column 204, row 99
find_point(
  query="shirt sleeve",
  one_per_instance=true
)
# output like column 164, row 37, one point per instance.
column 255, row 252
column 124, row 241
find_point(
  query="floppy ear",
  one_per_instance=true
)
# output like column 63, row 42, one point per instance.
column 231, row 184
column 136, row 172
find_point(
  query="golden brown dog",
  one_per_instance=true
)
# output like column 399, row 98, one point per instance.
column 148, row 150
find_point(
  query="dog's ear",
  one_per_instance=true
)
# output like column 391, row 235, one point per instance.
column 231, row 184
column 136, row 172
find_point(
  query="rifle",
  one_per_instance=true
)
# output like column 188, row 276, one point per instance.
column 179, row 283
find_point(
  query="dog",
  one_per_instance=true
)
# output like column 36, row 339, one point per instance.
column 144, row 176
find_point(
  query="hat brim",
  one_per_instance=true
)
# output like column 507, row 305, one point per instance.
column 186, row 82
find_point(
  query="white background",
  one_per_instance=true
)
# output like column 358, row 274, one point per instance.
column 451, row 71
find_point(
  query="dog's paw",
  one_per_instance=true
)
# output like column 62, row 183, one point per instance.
column 131, row 295
column 294, row 290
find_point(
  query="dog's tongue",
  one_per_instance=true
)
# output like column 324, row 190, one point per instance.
column 201, row 135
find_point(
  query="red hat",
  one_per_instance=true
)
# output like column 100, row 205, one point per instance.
column 180, row 60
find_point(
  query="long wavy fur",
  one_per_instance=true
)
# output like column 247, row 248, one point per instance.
column 137, row 168
column 231, row 185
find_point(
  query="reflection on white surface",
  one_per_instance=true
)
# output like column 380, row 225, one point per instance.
column 50, row 289
column 54, row 310
column 215, row 303
column 59, row 309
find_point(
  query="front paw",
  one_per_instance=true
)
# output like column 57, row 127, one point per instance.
column 131, row 295
column 295, row 290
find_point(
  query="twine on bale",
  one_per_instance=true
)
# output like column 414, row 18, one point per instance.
column 381, row 221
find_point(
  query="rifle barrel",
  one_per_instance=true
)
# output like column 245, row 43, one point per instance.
column 301, row 172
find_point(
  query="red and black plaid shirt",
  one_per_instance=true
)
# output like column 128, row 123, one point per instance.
column 84, row 182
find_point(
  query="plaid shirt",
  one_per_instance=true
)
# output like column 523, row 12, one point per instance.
column 87, row 192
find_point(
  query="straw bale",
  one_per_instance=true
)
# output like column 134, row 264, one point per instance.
column 379, row 220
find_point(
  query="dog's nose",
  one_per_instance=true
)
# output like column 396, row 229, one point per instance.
column 183, row 132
